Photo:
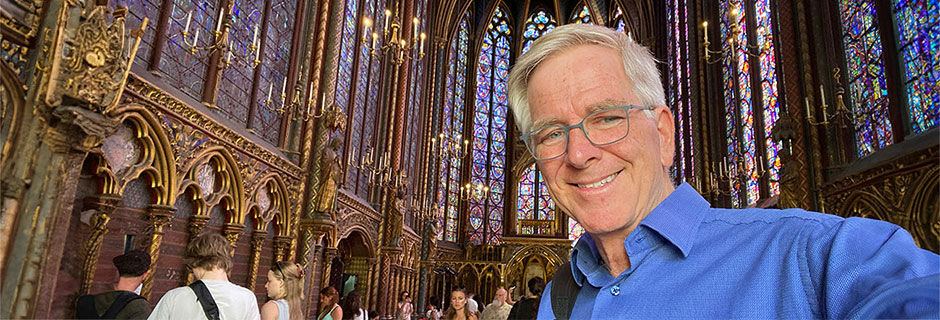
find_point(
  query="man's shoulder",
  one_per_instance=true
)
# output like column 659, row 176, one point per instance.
column 798, row 218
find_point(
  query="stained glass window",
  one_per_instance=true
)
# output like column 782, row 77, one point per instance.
column 619, row 22
column 582, row 16
column 455, row 82
column 918, row 27
column 535, row 211
column 768, row 91
column 416, row 95
column 679, row 88
column 236, row 82
column 371, row 110
column 866, row 80
column 137, row 10
column 538, row 24
column 361, row 107
column 489, row 132
column 344, row 76
column 739, row 116
column 180, row 68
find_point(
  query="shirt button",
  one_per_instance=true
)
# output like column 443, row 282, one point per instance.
column 615, row 290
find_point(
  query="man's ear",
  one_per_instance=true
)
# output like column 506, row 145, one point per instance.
column 666, row 130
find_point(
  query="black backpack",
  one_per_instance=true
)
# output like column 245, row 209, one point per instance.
column 85, row 308
column 564, row 292
column 205, row 299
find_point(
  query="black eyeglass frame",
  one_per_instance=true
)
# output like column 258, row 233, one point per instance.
column 580, row 124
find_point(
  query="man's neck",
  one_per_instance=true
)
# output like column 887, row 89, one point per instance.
column 214, row 274
column 610, row 245
column 127, row 283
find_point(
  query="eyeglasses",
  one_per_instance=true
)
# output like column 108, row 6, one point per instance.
column 601, row 127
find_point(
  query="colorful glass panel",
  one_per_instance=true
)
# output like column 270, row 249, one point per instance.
column 538, row 24
column 489, row 132
column 344, row 76
column 180, row 68
column 235, row 85
column 582, row 16
column 372, row 109
column 866, row 81
column 742, row 149
column 452, row 127
column 276, row 59
column 918, row 27
column 137, row 10
column 768, row 74
column 619, row 22
column 575, row 230
column 359, row 107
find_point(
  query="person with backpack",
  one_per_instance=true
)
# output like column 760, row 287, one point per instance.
column 211, row 296
column 124, row 302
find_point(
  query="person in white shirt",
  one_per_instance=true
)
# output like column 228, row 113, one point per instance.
column 499, row 309
column 472, row 304
column 351, row 307
column 209, row 256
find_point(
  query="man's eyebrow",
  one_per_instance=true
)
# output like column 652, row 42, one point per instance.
column 606, row 103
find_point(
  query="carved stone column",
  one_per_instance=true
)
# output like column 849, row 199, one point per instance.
column 328, row 255
column 257, row 242
column 372, row 292
column 385, row 281
column 159, row 216
column 281, row 245
column 103, row 206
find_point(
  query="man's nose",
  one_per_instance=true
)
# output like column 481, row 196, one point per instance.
column 580, row 150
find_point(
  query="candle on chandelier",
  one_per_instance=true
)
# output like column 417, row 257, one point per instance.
column 388, row 15
column 270, row 88
column 375, row 40
column 415, row 28
column 806, row 100
column 822, row 94
column 284, row 89
column 196, row 39
column 705, row 25
column 189, row 18
column 423, row 37
column 254, row 37
column 218, row 26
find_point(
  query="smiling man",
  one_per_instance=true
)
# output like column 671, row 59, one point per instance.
column 592, row 111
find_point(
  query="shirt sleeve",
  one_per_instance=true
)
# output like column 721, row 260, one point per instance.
column 160, row 311
column 545, row 305
column 861, row 261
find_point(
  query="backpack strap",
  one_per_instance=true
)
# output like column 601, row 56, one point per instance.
column 205, row 299
column 564, row 292
column 119, row 303
column 85, row 307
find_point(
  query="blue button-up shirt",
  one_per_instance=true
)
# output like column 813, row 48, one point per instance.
column 688, row 260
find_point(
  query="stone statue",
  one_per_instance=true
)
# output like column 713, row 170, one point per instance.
column 396, row 212
column 330, row 168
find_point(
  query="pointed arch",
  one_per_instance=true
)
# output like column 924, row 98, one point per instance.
column 155, row 153
column 488, row 148
column 218, row 180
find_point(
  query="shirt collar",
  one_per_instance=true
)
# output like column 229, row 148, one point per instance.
column 676, row 219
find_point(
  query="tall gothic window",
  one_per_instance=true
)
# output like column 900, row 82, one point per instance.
column 917, row 37
column 180, row 68
column 347, row 53
column 679, row 88
column 918, row 27
column 416, row 95
column 866, row 82
column 455, row 86
column 489, row 132
column 237, row 79
column 582, row 16
column 535, row 211
column 276, row 60
column 751, row 104
column 363, row 108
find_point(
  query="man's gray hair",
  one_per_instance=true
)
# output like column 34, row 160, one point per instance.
column 638, row 63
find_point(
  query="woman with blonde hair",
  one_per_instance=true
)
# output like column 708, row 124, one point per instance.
column 286, row 289
column 329, row 309
column 458, row 306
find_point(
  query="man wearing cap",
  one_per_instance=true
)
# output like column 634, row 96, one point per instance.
column 123, row 302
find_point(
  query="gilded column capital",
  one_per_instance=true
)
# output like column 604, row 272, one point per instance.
column 196, row 224
column 231, row 232
column 77, row 128
column 281, row 245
